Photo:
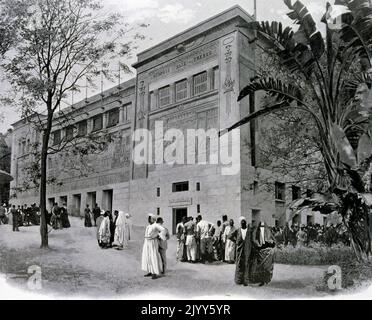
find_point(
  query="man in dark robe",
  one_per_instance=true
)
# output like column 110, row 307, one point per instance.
column 15, row 217
column 243, row 252
column 262, row 262
column 96, row 213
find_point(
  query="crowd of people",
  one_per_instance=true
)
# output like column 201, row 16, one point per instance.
column 250, row 248
column 295, row 235
column 22, row 215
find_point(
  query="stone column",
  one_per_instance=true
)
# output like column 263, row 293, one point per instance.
column 190, row 87
column 156, row 99
column 210, row 79
column 104, row 120
column 89, row 125
column 121, row 114
column 172, row 89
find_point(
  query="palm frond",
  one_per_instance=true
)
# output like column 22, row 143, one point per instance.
column 275, row 88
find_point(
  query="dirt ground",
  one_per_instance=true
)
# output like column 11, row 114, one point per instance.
column 75, row 266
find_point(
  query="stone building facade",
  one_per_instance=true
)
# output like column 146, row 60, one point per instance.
column 190, row 81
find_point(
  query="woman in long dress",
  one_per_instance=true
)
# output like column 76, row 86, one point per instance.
column 87, row 217
column 151, row 259
column 121, row 232
column 230, row 239
column 64, row 217
column 104, row 233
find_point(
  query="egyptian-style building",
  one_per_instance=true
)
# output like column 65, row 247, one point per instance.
column 190, row 81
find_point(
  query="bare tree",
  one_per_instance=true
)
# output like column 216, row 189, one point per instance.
column 62, row 42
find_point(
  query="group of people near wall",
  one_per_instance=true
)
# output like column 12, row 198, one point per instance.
column 58, row 217
column 113, row 230
column 22, row 215
column 295, row 235
column 251, row 249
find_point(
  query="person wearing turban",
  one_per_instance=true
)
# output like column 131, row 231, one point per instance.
column 151, row 259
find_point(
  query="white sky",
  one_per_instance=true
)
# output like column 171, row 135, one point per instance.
column 167, row 18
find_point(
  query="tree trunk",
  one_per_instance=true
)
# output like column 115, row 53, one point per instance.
column 43, row 182
column 43, row 174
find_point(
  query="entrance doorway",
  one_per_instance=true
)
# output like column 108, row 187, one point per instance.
column 76, row 211
column 91, row 199
column 62, row 201
column 107, row 200
column 178, row 214
column 51, row 202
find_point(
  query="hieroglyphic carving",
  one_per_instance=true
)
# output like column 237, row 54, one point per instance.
column 229, row 82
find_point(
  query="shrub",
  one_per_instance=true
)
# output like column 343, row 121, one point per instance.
column 314, row 254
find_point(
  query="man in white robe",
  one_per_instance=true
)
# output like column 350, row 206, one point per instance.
column 151, row 258
column 128, row 226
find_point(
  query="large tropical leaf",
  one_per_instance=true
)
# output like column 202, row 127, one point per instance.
column 275, row 88
column 364, row 148
column 356, row 29
column 307, row 33
column 345, row 150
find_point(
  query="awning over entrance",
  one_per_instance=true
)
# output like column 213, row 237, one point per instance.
column 5, row 177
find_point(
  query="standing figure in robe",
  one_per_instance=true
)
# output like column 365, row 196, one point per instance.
column 262, row 262
column 191, row 246
column 180, row 234
column 121, row 236
column 163, row 244
column 151, row 259
column 243, row 252
column 230, row 239
column 87, row 217
column 64, row 217
column 104, row 233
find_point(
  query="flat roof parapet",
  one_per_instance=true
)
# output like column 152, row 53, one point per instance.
column 223, row 17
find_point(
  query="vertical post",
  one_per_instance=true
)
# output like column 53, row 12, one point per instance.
column 255, row 9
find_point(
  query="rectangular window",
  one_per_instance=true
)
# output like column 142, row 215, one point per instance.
column 296, row 192
column 97, row 122
column 180, row 186
column 158, row 192
column 280, row 191
column 82, row 128
column 181, row 90
column 69, row 133
column 56, row 137
column 113, row 117
column 164, row 96
column 198, row 186
column 198, row 208
column 158, row 211
column 200, row 83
